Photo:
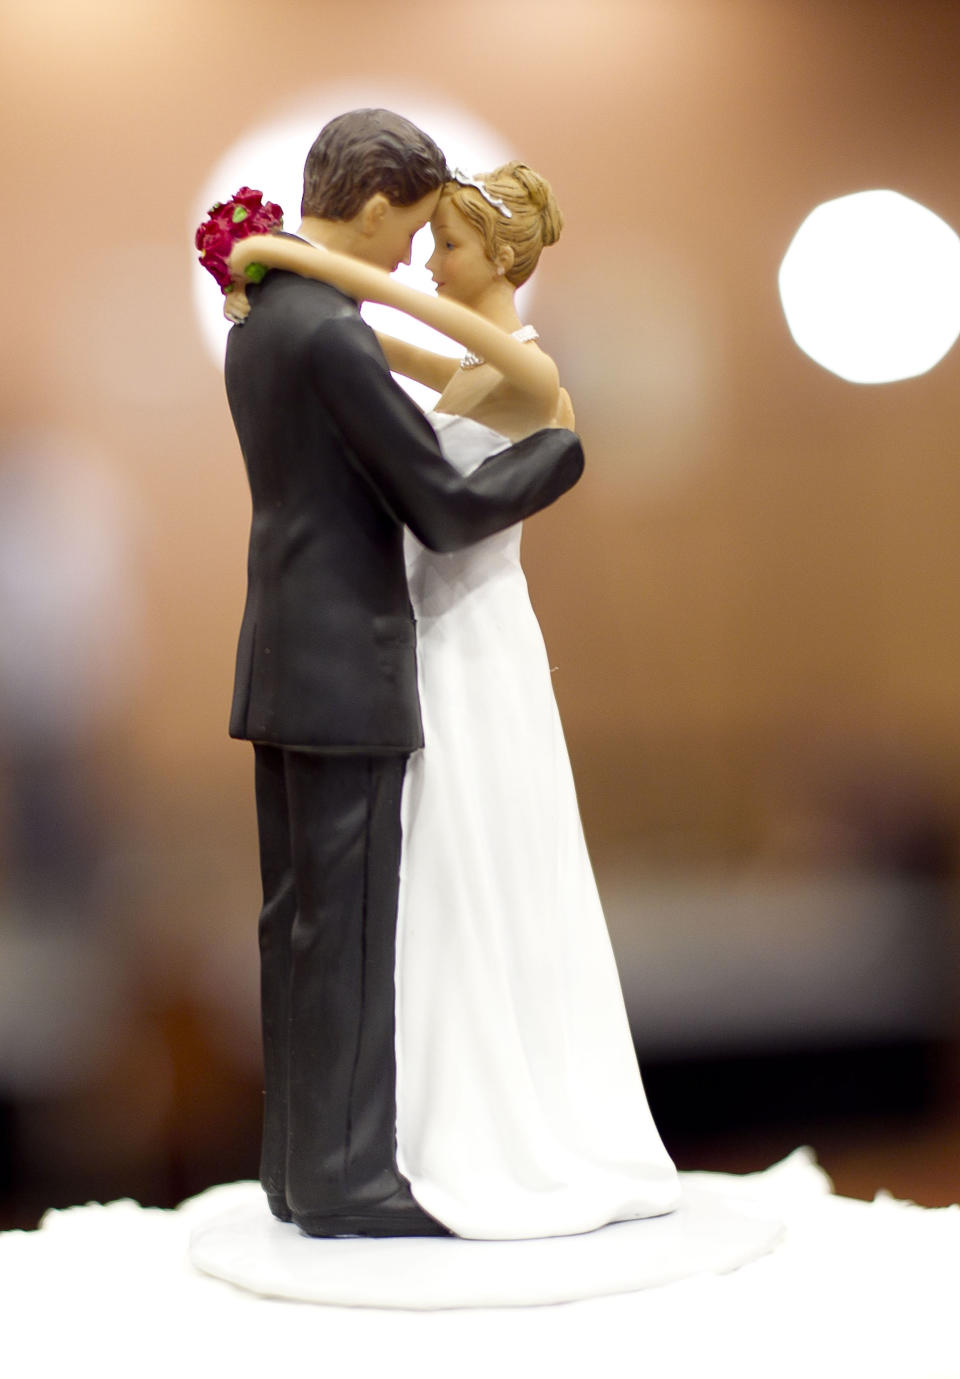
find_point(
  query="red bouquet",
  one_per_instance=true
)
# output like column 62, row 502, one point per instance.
column 246, row 213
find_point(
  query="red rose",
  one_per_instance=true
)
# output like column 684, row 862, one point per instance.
column 247, row 197
column 230, row 221
column 272, row 211
column 216, row 240
column 215, row 244
column 259, row 222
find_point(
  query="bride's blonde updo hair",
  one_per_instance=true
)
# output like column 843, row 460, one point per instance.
column 535, row 220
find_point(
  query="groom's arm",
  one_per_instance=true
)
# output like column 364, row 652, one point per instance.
column 395, row 446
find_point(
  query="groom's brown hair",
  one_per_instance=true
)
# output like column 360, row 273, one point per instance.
column 365, row 152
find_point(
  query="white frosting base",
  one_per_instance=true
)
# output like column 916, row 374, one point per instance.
column 712, row 1231
column 856, row 1288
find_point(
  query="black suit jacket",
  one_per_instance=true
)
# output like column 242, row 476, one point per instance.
column 339, row 459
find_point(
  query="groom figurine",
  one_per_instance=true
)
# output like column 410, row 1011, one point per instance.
column 339, row 460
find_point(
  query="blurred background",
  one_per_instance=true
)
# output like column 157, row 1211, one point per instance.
column 750, row 600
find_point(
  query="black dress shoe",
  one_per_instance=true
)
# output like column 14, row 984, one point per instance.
column 396, row 1215
column 278, row 1205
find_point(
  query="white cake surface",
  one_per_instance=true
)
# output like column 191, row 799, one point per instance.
column 712, row 1231
column 853, row 1288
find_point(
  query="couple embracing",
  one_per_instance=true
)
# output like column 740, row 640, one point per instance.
column 445, row 1044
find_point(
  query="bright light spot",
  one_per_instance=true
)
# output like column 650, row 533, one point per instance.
column 871, row 287
column 271, row 159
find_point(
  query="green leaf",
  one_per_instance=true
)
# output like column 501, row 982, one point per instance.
column 255, row 272
column 239, row 213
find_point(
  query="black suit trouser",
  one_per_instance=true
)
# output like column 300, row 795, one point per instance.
column 330, row 857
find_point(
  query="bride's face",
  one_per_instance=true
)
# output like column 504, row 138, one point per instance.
column 459, row 262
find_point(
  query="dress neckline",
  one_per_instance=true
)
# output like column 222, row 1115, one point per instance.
column 525, row 334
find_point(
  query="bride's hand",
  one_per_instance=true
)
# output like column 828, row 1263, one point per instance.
column 564, row 413
column 236, row 307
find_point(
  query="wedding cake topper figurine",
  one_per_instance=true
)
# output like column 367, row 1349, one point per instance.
column 339, row 460
column 446, row 1047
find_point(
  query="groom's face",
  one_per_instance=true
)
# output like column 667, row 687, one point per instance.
column 391, row 240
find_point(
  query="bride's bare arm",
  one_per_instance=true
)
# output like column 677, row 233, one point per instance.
column 526, row 367
column 425, row 366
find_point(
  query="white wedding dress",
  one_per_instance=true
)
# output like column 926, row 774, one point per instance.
column 521, row 1112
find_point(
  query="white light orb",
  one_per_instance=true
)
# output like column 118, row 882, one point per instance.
column 270, row 158
column 870, row 287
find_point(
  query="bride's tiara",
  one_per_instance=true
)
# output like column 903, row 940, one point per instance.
column 465, row 180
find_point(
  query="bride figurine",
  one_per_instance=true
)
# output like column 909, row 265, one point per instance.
column 520, row 1108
